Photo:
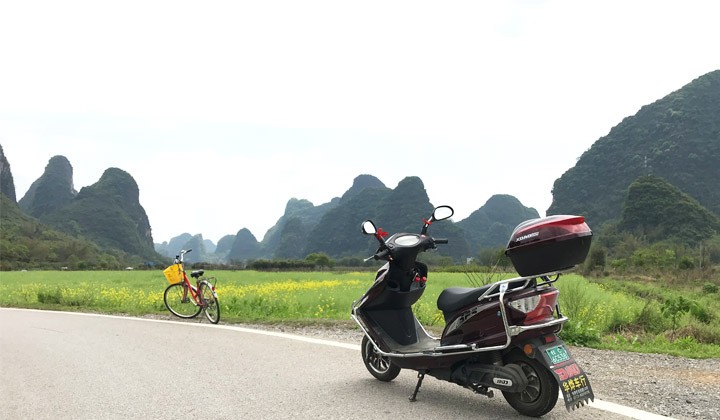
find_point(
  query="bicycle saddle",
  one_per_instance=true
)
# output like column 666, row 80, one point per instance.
column 196, row 274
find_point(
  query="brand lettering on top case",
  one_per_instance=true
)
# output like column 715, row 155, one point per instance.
column 528, row 236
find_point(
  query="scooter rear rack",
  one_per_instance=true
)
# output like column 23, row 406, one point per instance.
column 499, row 288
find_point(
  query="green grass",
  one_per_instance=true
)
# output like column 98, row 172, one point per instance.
column 244, row 295
column 659, row 327
column 609, row 314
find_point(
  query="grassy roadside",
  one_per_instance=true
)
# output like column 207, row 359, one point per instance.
column 604, row 313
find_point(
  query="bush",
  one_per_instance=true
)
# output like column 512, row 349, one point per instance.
column 597, row 259
column 709, row 288
column 702, row 314
column 650, row 318
column 702, row 333
column 655, row 257
column 686, row 263
column 50, row 297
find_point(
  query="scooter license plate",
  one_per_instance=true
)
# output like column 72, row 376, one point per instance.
column 574, row 382
column 557, row 354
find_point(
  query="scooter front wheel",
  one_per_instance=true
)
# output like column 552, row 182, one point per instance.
column 541, row 393
column 378, row 365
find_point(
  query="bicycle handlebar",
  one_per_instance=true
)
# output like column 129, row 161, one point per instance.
column 179, row 258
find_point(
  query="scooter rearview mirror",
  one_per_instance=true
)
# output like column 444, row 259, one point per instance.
column 368, row 227
column 443, row 212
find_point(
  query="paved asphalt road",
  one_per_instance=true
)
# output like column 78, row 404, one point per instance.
column 60, row 365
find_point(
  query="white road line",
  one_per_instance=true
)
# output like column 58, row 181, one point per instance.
column 622, row 410
column 625, row 411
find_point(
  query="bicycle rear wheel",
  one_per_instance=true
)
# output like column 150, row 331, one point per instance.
column 184, row 308
column 212, row 306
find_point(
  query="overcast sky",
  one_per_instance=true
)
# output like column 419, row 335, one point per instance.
column 224, row 110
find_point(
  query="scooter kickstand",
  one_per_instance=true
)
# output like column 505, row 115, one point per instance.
column 413, row 397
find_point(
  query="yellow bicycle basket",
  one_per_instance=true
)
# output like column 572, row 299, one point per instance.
column 173, row 274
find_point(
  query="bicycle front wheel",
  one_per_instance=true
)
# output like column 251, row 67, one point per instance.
column 212, row 306
column 178, row 301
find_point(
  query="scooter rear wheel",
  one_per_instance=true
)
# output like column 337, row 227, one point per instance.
column 541, row 393
column 378, row 365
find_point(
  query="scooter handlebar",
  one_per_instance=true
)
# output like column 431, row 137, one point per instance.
column 382, row 254
column 441, row 240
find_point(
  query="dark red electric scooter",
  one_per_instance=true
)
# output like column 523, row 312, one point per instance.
column 501, row 336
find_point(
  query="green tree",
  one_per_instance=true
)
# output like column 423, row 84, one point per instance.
column 674, row 308
column 597, row 258
column 320, row 259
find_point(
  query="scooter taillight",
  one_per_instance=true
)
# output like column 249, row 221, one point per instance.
column 537, row 308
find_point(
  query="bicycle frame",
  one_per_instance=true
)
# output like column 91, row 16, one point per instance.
column 193, row 289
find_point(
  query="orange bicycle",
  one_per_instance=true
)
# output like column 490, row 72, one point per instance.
column 186, row 300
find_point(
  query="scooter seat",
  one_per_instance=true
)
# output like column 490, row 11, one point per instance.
column 454, row 298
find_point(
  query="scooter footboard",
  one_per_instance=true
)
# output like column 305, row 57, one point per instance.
column 573, row 381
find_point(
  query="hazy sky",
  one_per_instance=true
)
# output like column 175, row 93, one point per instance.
column 224, row 110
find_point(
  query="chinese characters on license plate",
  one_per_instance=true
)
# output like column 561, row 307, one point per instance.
column 557, row 354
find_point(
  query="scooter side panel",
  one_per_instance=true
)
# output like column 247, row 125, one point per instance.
column 480, row 324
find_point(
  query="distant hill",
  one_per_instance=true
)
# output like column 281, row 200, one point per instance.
column 7, row 185
column 334, row 228
column 209, row 246
column 172, row 248
column 52, row 191
column 27, row 243
column 291, row 235
column 676, row 138
column 109, row 213
column 302, row 216
column 224, row 245
column 338, row 232
column 65, row 237
column 657, row 210
column 199, row 253
column 244, row 247
column 490, row 226
column 395, row 210
column 203, row 250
